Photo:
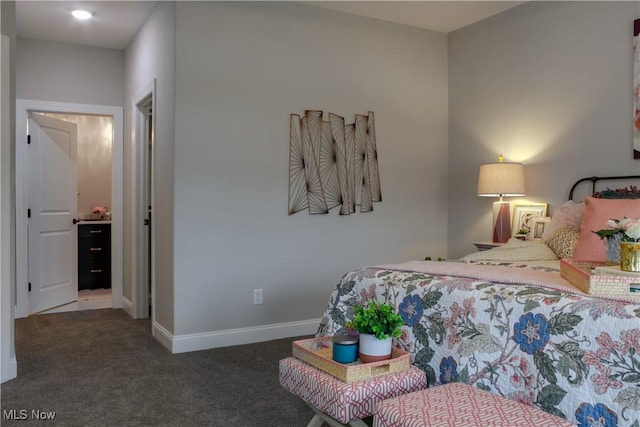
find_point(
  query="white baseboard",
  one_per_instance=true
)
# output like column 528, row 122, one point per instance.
column 10, row 371
column 163, row 336
column 127, row 306
column 225, row 338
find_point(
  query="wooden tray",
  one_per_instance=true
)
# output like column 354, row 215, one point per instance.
column 599, row 278
column 318, row 352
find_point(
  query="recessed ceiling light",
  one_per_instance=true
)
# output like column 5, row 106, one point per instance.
column 83, row 15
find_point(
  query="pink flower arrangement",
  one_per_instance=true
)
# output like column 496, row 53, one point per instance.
column 626, row 228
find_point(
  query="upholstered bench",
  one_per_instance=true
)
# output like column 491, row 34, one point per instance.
column 339, row 403
column 460, row 405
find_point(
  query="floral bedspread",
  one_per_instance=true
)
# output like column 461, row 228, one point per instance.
column 563, row 351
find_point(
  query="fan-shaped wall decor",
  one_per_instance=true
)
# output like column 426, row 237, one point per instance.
column 372, row 160
column 315, row 195
column 350, row 144
column 340, row 148
column 297, row 180
column 332, row 164
column 363, row 183
column 328, row 168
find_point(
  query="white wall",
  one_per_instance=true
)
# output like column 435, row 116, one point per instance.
column 61, row 72
column 152, row 55
column 241, row 70
column 95, row 147
column 548, row 84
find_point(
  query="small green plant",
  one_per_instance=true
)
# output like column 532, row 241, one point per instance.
column 378, row 319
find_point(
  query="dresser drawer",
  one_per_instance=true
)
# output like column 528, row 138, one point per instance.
column 91, row 250
column 94, row 275
column 94, row 231
column 94, row 281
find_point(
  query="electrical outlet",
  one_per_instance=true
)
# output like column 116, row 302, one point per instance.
column 257, row 296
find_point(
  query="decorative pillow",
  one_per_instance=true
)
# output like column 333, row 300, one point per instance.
column 589, row 246
column 515, row 250
column 563, row 241
column 569, row 213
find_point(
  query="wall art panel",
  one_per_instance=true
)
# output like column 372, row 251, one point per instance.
column 372, row 160
column 340, row 148
column 328, row 168
column 297, row 179
column 349, row 138
column 363, row 183
column 315, row 195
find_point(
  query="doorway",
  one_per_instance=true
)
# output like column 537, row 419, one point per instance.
column 23, row 108
column 142, row 224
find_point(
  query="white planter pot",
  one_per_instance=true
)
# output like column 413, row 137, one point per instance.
column 371, row 349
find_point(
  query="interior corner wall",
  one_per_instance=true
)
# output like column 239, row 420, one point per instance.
column 548, row 84
column 152, row 55
column 8, row 361
column 241, row 69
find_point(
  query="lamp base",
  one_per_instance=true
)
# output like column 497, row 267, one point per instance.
column 501, row 222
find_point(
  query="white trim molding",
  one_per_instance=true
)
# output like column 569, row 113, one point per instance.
column 142, row 256
column 23, row 106
column 207, row 340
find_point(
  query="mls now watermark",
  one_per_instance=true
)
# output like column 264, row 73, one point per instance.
column 24, row 414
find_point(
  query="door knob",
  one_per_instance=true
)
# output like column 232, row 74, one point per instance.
column 76, row 220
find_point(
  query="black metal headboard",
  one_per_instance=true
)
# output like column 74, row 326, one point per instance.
column 595, row 179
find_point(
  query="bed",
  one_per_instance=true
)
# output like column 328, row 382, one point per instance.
column 505, row 321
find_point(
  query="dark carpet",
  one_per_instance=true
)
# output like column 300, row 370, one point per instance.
column 102, row 368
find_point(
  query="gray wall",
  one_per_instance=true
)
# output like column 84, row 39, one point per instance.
column 8, row 363
column 61, row 72
column 241, row 70
column 152, row 55
column 548, row 84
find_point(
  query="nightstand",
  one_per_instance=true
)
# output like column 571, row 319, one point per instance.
column 483, row 246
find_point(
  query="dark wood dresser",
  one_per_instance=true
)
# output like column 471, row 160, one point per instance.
column 94, row 255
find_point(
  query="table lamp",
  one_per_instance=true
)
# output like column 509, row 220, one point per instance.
column 498, row 180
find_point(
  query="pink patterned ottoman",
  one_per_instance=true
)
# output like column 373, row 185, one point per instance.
column 460, row 405
column 345, row 402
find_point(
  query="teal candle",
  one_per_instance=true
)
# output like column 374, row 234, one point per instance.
column 345, row 348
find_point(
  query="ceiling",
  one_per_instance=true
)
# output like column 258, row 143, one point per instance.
column 115, row 23
column 443, row 16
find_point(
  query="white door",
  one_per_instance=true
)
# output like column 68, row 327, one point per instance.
column 52, row 202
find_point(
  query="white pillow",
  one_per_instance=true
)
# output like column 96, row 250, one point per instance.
column 569, row 214
column 515, row 250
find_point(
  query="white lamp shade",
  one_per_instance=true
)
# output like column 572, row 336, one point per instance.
column 501, row 179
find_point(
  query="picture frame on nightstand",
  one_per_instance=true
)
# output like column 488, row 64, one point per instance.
column 539, row 224
column 524, row 215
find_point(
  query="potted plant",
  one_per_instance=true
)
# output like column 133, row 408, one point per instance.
column 377, row 323
column 522, row 234
column 622, row 238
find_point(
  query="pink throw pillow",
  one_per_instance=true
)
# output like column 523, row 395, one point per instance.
column 569, row 214
column 589, row 246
